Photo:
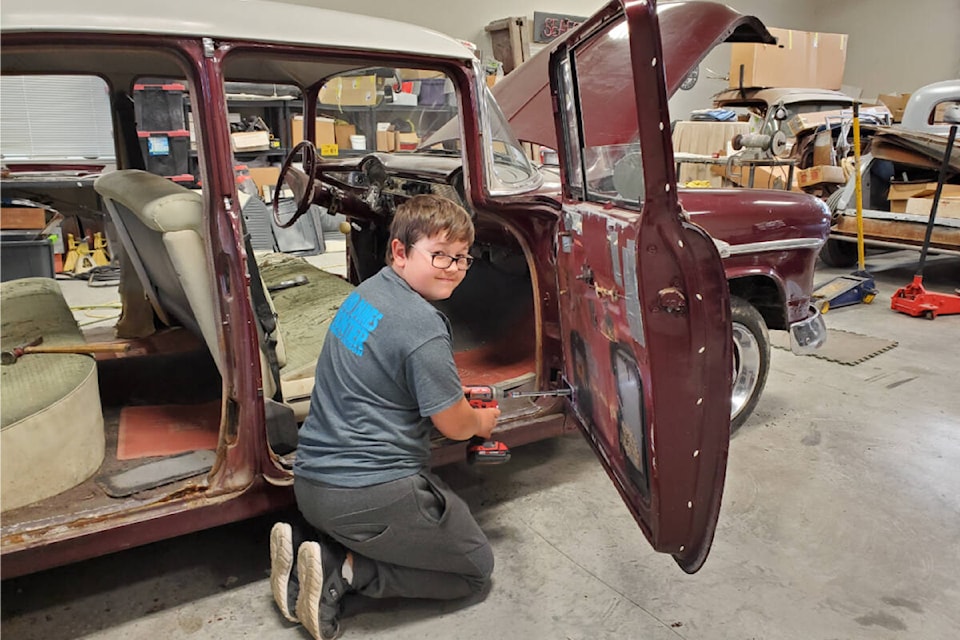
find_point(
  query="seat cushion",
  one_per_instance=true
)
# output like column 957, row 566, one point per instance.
column 304, row 313
column 51, row 423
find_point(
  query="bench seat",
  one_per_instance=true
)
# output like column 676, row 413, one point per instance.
column 51, row 421
column 304, row 314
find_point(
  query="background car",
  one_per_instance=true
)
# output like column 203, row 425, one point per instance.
column 899, row 172
column 776, row 109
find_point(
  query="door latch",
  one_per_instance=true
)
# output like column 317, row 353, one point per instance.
column 672, row 300
column 586, row 274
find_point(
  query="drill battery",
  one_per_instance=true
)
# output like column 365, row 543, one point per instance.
column 480, row 451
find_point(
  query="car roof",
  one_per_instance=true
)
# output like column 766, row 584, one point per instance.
column 773, row 95
column 922, row 102
column 253, row 20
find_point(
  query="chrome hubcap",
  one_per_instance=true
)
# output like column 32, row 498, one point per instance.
column 746, row 367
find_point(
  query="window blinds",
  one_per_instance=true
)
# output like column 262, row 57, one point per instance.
column 53, row 118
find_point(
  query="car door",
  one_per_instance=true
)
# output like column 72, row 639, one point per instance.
column 643, row 301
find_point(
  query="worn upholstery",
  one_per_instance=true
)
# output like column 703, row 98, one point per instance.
column 304, row 313
column 164, row 233
column 51, row 422
column 160, row 224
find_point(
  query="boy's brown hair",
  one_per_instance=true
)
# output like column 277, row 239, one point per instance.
column 427, row 215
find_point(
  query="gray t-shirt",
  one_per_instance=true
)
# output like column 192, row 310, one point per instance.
column 386, row 365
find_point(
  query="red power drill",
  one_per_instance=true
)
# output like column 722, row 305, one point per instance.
column 480, row 451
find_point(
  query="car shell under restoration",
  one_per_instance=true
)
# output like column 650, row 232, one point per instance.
column 635, row 282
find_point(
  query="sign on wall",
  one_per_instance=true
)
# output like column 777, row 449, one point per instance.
column 548, row 26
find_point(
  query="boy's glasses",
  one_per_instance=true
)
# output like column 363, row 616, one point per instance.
column 441, row 260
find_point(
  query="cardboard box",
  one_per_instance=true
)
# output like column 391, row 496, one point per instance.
column 774, row 177
column 949, row 207
column 771, row 65
column 799, row 59
column 324, row 132
column 407, row 141
column 896, row 102
column 341, row 134
column 823, row 152
column 250, row 141
column 264, row 177
column 358, row 91
column 22, row 218
column 820, row 174
column 386, row 137
column 828, row 56
column 805, row 121
column 900, row 192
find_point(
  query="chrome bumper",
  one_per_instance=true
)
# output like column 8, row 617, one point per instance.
column 808, row 335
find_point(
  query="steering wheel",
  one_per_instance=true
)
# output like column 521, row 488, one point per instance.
column 302, row 183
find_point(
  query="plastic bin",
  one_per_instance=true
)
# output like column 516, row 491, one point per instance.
column 432, row 92
column 165, row 153
column 159, row 107
column 26, row 259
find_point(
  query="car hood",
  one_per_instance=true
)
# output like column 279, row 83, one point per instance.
column 689, row 31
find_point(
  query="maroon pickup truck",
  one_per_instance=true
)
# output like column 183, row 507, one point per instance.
column 603, row 287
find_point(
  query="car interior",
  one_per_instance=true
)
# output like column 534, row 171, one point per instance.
column 175, row 367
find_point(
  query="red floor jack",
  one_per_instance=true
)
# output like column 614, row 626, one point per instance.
column 913, row 299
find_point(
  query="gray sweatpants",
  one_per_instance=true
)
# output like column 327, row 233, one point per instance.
column 412, row 537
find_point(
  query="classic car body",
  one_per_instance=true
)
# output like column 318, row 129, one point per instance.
column 776, row 107
column 622, row 301
column 906, row 157
column 769, row 240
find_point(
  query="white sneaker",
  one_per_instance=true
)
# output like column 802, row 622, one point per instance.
column 281, row 566
column 318, row 603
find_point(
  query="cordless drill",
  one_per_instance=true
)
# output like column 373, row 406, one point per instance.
column 480, row 451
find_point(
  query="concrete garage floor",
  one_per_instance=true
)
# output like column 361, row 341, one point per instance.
column 840, row 519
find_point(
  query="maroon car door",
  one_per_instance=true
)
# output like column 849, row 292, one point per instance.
column 643, row 301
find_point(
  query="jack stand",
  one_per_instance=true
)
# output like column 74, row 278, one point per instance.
column 99, row 254
column 859, row 286
column 913, row 299
column 79, row 260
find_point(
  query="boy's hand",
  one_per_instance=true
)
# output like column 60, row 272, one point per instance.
column 488, row 420
column 461, row 421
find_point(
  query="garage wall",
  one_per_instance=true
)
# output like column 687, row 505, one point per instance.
column 894, row 45
column 466, row 19
column 786, row 14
